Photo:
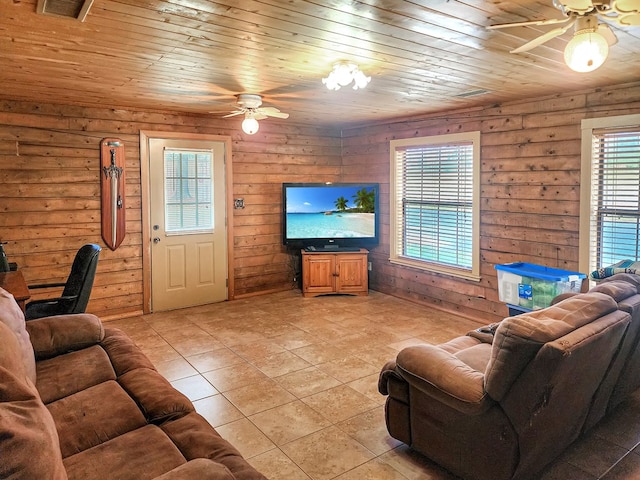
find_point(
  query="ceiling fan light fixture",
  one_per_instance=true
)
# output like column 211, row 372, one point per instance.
column 343, row 74
column 586, row 51
column 250, row 125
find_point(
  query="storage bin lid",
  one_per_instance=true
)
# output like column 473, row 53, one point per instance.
column 540, row 271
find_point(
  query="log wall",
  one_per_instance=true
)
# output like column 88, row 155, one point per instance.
column 50, row 193
column 530, row 189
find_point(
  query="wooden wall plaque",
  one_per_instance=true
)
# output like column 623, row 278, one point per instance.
column 112, row 191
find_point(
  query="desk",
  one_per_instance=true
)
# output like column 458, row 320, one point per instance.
column 14, row 283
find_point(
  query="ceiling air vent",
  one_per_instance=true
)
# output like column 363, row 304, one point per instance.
column 472, row 93
column 77, row 9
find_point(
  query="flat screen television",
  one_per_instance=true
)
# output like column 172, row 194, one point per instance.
column 330, row 216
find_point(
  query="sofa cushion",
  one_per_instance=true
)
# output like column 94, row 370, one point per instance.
column 51, row 336
column 141, row 454
column 13, row 318
column 618, row 289
column 631, row 278
column 85, row 419
column 156, row 397
column 200, row 469
column 445, row 377
column 458, row 344
column 64, row 375
column 123, row 352
column 29, row 445
column 196, row 439
column 518, row 339
column 476, row 356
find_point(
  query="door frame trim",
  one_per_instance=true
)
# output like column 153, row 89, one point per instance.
column 145, row 160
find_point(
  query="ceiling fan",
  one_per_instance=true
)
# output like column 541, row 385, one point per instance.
column 249, row 105
column 588, row 48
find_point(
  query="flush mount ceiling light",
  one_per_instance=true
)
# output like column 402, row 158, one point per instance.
column 343, row 74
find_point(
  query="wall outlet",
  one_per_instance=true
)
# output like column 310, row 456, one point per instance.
column 369, row 266
column 238, row 203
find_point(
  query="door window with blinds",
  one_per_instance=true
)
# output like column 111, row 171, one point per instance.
column 188, row 186
column 435, row 202
column 611, row 212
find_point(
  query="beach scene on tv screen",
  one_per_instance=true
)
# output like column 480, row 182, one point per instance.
column 330, row 212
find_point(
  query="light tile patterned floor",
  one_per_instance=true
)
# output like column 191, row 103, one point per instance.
column 292, row 383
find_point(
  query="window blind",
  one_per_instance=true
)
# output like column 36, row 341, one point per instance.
column 435, row 203
column 188, row 190
column 615, row 199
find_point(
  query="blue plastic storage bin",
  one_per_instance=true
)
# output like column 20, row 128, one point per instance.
column 534, row 286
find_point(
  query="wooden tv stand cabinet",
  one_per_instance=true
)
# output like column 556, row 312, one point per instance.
column 325, row 272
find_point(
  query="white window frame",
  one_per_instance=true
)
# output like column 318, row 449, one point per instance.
column 586, row 260
column 396, row 220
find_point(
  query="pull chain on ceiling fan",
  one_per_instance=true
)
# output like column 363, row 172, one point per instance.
column 589, row 47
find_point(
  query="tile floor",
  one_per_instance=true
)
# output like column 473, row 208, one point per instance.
column 292, row 383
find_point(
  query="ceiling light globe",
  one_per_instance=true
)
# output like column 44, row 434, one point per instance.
column 360, row 80
column 250, row 125
column 331, row 83
column 586, row 51
column 343, row 75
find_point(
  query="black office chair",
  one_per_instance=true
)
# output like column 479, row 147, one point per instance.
column 77, row 288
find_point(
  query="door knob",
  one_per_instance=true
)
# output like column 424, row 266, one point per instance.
column 156, row 240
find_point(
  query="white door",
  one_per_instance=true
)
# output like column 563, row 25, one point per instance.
column 188, row 232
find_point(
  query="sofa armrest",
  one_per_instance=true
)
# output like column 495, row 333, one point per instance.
column 46, row 301
column 389, row 370
column 484, row 334
column 200, row 468
column 444, row 377
column 51, row 336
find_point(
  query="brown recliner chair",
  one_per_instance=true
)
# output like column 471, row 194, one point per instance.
column 628, row 379
column 502, row 402
column 623, row 376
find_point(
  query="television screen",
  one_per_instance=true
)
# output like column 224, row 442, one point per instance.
column 330, row 215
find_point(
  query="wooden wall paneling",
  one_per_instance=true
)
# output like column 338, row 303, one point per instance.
column 530, row 167
column 530, row 189
column 49, row 192
column 261, row 164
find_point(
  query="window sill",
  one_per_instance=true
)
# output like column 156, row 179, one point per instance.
column 434, row 268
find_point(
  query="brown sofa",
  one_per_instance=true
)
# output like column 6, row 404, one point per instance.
column 79, row 400
column 503, row 401
column 628, row 300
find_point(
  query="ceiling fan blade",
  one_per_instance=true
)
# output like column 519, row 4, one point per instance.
column 278, row 115
column 607, row 33
column 582, row 6
column 551, row 21
column 542, row 39
column 259, row 116
column 233, row 114
column 272, row 112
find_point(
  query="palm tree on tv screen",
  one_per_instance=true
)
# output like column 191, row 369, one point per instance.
column 365, row 200
column 341, row 204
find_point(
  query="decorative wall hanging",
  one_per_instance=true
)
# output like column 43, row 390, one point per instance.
column 112, row 191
